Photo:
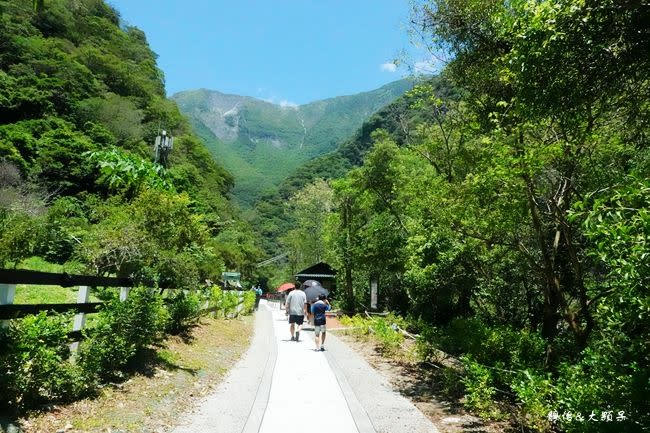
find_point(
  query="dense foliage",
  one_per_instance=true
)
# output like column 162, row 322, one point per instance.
column 508, row 219
column 81, row 102
column 38, row 365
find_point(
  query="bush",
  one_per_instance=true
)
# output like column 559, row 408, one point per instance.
column 225, row 302
column 358, row 326
column 536, row 394
column 479, row 389
column 387, row 334
column 604, row 381
column 184, row 311
column 123, row 329
column 34, row 361
column 249, row 302
column 216, row 298
column 105, row 354
column 427, row 342
column 492, row 345
column 229, row 302
column 384, row 329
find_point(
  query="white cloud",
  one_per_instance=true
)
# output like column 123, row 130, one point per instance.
column 287, row 104
column 388, row 67
column 283, row 103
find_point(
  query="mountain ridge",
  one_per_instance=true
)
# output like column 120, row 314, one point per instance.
column 262, row 142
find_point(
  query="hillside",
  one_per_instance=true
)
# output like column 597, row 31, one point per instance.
column 270, row 219
column 82, row 101
column 392, row 118
column 261, row 143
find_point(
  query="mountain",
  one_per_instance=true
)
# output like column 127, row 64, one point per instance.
column 392, row 118
column 262, row 143
column 396, row 118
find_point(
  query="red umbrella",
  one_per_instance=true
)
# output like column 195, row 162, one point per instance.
column 286, row 286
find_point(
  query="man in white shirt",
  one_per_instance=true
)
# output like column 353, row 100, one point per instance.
column 295, row 308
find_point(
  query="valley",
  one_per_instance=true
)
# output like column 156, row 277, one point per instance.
column 262, row 143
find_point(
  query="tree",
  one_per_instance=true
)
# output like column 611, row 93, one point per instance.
column 309, row 208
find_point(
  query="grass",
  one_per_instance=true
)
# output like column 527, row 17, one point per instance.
column 38, row 294
column 172, row 379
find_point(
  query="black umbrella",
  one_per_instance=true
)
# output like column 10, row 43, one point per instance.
column 314, row 290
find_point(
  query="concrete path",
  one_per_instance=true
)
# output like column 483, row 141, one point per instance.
column 282, row 386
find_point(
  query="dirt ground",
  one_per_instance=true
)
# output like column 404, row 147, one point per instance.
column 419, row 383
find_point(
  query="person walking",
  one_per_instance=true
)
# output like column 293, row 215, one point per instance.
column 295, row 308
column 318, row 309
column 258, row 295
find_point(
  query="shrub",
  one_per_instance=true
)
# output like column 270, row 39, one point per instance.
column 427, row 342
column 34, row 361
column 225, row 302
column 216, row 298
column 229, row 303
column 492, row 345
column 536, row 394
column 122, row 329
column 358, row 326
column 105, row 354
column 479, row 388
column 602, row 381
column 450, row 380
column 385, row 330
column 184, row 311
column 249, row 302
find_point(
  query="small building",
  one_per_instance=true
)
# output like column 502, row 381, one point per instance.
column 321, row 272
column 231, row 281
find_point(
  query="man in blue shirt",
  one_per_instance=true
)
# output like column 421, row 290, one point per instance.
column 318, row 309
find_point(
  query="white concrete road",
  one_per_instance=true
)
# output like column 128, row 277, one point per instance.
column 282, row 386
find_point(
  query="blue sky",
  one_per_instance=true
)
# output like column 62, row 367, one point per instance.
column 284, row 51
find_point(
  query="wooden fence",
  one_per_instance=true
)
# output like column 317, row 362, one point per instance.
column 9, row 278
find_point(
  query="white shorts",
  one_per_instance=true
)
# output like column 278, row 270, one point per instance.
column 318, row 329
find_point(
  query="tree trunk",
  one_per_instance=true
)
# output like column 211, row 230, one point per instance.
column 347, row 259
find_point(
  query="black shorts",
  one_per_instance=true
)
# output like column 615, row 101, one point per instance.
column 295, row 318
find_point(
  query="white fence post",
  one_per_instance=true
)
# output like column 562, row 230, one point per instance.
column 80, row 318
column 7, row 293
column 240, row 302
column 124, row 293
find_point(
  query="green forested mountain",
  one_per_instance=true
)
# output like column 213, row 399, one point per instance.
column 81, row 103
column 261, row 143
column 395, row 118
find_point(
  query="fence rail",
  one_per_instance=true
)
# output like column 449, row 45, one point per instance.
column 19, row 276
column 9, row 278
column 16, row 311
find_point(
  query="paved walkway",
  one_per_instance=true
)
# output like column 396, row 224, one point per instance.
column 282, row 386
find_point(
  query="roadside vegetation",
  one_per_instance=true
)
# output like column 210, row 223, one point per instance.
column 507, row 220
column 163, row 387
column 81, row 104
column 39, row 367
